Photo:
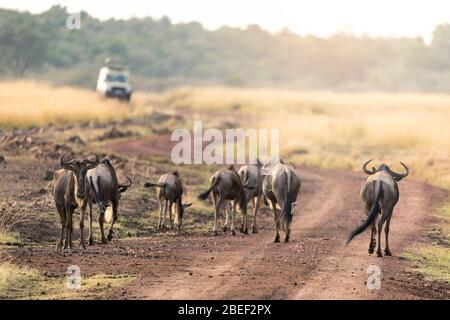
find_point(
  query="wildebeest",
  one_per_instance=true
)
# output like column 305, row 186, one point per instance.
column 105, row 191
column 225, row 186
column 70, row 190
column 379, row 196
column 281, row 185
column 169, row 192
column 252, row 180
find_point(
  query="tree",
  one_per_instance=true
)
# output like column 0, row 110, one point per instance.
column 23, row 46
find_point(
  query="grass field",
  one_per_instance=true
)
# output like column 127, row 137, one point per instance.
column 26, row 103
column 341, row 130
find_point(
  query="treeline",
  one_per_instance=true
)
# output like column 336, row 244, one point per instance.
column 161, row 54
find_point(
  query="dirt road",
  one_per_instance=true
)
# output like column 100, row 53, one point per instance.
column 314, row 265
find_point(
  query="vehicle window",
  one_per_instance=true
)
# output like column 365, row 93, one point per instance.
column 116, row 78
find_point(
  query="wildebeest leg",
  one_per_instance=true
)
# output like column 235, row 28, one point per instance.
column 101, row 221
column 255, row 211
column 372, row 238
column 245, row 220
column 216, row 213
column 233, row 217
column 166, row 203
column 380, row 228
column 90, row 241
column 114, row 219
column 69, row 226
column 83, row 210
column 387, row 250
column 287, row 231
column 277, row 223
column 62, row 216
column 227, row 212
column 170, row 214
column 161, row 208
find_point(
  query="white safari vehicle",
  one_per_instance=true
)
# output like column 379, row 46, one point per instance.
column 114, row 81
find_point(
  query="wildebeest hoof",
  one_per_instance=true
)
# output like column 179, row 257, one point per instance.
column 254, row 230
column 233, row 232
column 286, row 240
column 110, row 236
column 387, row 253
column 103, row 241
column 215, row 232
column 371, row 250
column 90, row 242
column 277, row 239
column 82, row 247
column 224, row 228
column 379, row 255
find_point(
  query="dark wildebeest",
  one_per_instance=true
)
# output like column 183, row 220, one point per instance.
column 226, row 186
column 105, row 192
column 169, row 192
column 281, row 185
column 70, row 190
column 379, row 195
column 252, row 180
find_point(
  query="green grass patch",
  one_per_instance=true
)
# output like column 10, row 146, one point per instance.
column 21, row 282
column 434, row 260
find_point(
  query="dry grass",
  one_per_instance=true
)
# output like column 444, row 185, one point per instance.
column 342, row 130
column 27, row 103
column 11, row 216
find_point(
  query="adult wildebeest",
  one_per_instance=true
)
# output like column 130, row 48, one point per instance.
column 105, row 192
column 169, row 192
column 379, row 195
column 281, row 185
column 226, row 186
column 252, row 180
column 70, row 190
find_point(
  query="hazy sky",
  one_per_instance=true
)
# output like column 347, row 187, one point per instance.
column 319, row 17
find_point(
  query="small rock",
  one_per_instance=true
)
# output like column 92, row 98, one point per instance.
column 2, row 158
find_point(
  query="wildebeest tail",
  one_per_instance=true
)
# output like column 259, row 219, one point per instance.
column 151, row 184
column 287, row 207
column 204, row 195
column 378, row 193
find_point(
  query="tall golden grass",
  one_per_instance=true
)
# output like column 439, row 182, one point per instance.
column 341, row 130
column 28, row 103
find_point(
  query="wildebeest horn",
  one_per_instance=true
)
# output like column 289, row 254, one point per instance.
column 292, row 165
column 366, row 170
column 93, row 163
column 66, row 164
column 129, row 182
column 400, row 176
column 124, row 187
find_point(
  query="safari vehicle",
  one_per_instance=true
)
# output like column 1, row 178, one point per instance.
column 114, row 81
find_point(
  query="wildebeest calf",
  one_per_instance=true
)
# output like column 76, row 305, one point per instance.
column 169, row 192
